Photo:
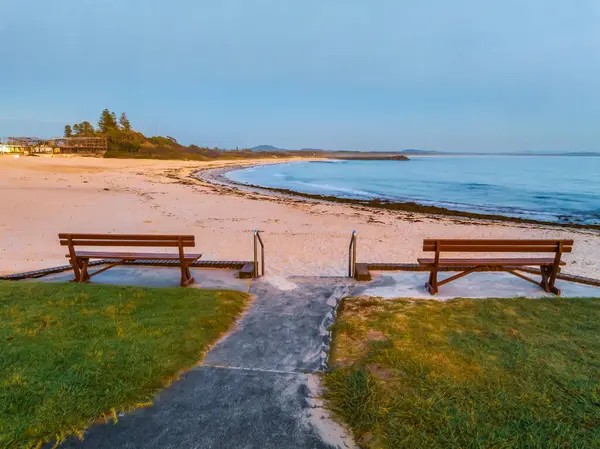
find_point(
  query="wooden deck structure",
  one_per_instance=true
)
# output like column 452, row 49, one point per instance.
column 71, row 145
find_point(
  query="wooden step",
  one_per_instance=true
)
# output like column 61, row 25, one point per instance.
column 361, row 272
column 247, row 271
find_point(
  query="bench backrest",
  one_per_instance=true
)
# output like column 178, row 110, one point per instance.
column 497, row 246
column 174, row 241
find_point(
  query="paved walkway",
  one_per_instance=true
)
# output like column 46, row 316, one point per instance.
column 256, row 388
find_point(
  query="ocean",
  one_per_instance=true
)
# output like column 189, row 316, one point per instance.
column 548, row 188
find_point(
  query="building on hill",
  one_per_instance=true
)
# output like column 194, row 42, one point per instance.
column 64, row 145
column 24, row 145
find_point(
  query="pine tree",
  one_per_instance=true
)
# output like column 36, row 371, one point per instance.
column 68, row 131
column 124, row 122
column 88, row 129
column 107, row 121
column 84, row 129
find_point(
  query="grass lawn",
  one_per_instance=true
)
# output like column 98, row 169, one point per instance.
column 73, row 353
column 498, row 373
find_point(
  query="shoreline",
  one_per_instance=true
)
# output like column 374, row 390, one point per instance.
column 215, row 176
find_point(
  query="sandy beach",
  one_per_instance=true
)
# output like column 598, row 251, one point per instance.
column 42, row 196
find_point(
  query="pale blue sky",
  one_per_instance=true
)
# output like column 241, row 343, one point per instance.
column 463, row 75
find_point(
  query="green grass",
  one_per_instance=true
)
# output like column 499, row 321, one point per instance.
column 498, row 373
column 71, row 354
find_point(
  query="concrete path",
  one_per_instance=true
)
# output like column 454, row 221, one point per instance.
column 142, row 276
column 256, row 388
column 401, row 284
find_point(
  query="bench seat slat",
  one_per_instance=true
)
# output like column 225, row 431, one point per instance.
column 489, row 262
column 155, row 243
column 171, row 237
column 483, row 245
column 498, row 241
column 134, row 256
column 523, row 248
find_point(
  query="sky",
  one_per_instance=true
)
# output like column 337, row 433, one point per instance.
column 466, row 75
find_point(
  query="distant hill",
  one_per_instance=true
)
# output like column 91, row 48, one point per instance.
column 567, row 153
column 267, row 148
column 412, row 151
column 274, row 148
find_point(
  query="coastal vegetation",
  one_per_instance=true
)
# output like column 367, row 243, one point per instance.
column 516, row 373
column 125, row 142
column 73, row 353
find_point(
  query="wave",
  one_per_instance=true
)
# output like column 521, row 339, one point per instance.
column 334, row 188
column 331, row 161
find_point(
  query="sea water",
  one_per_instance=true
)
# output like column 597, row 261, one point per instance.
column 548, row 188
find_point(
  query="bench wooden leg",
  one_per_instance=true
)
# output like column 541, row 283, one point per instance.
column 80, row 269
column 549, row 275
column 85, row 276
column 552, row 280
column 76, row 272
column 186, row 276
column 432, row 284
column 545, row 284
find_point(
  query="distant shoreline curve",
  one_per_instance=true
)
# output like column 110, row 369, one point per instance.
column 215, row 176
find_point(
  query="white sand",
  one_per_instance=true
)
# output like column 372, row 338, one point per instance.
column 40, row 197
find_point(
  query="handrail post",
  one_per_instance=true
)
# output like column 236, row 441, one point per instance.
column 255, row 255
column 262, row 257
column 352, row 255
column 257, row 241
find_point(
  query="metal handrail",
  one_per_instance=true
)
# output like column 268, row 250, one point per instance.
column 257, row 241
column 352, row 254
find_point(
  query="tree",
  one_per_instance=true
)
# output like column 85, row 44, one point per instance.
column 84, row 129
column 107, row 121
column 68, row 131
column 124, row 122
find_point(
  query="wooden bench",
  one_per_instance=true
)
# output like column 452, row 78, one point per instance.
column 80, row 259
column 549, row 266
